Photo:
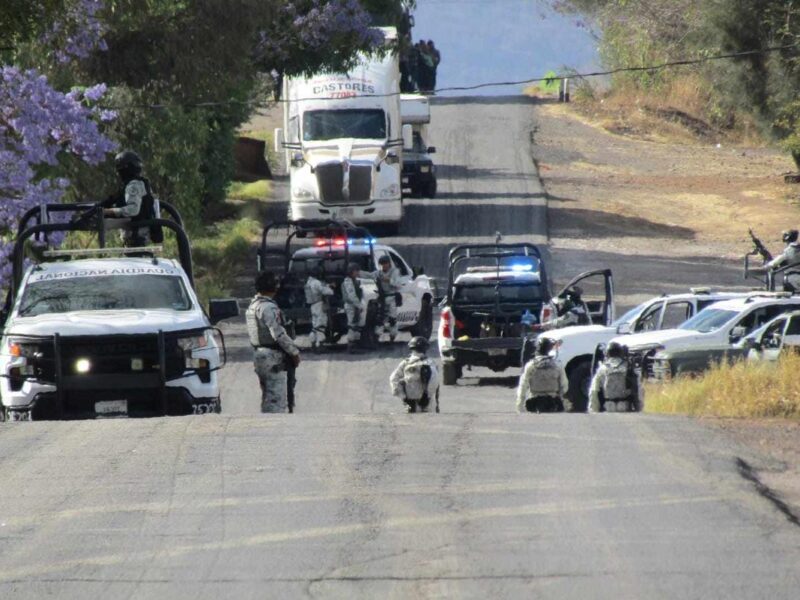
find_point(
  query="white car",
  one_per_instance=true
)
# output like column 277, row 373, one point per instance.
column 576, row 345
column 108, row 336
column 715, row 329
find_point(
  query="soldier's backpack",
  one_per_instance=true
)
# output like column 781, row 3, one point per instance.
column 617, row 384
column 546, row 377
column 417, row 375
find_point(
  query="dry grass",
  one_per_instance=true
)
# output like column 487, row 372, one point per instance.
column 739, row 390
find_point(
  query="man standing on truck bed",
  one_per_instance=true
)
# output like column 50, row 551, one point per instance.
column 790, row 259
column 135, row 201
column 271, row 344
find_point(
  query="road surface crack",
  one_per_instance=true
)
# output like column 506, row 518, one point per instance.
column 747, row 472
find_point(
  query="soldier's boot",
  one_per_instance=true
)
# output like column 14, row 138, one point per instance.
column 411, row 405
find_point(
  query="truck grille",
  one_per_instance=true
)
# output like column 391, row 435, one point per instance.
column 330, row 179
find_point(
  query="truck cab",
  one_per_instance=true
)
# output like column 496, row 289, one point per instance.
column 107, row 332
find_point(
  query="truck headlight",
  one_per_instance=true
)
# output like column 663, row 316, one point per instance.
column 391, row 192
column 19, row 348
column 302, row 194
column 189, row 344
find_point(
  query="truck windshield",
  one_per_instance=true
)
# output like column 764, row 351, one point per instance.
column 321, row 125
column 331, row 263
column 708, row 320
column 629, row 316
column 113, row 292
column 486, row 293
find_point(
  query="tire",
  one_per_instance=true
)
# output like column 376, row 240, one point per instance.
column 580, row 377
column 424, row 327
column 449, row 373
column 430, row 190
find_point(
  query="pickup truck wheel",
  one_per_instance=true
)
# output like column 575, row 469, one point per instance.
column 580, row 378
column 449, row 373
column 424, row 327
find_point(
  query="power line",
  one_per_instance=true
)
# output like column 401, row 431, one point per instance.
column 479, row 86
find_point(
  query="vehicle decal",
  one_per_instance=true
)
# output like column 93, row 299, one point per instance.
column 36, row 277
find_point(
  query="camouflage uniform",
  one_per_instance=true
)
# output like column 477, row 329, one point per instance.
column 388, row 284
column 316, row 291
column 613, row 382
column 353, row 299
column 134, row 195
column 574, row 314
column 543, row 377
column 271, row 344
column 790, row 258
column 407, row 384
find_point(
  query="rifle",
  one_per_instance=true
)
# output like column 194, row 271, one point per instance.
column 291, row 370
column 759, row 247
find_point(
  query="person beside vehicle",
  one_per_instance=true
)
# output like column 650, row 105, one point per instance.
column 134, row 202
column 615, row 387
column 272, row 345
column 436, row 58
column 316, row 291
column 388, row 283
column 543, row 384
column 789, row 259
column 416, row 380
column 571, row 310
column 353, row 299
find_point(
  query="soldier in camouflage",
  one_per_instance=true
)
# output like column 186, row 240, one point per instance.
column 387, row 280
column 316, row 291
column 416, row 380
column 356, row 311
column 790, row 258
column 543, row 384
column 271, row 344
column 615, row 387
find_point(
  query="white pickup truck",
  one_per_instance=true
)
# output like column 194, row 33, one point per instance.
column 711, row 333
column 93, row 333
column 577, row 345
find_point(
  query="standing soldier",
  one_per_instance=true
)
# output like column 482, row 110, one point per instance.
column 316, row 291
column 416, row 380
column 135, row 202
column 353, row 298
column 790, row 259
column 543, row 384
column 271, row 344
column 436, row 57
column 387, row 280
column 615, row 386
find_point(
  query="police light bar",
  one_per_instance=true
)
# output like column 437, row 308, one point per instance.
column 342, row 241
column 521, row 268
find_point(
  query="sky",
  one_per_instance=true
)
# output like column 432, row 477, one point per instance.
column 502, row 40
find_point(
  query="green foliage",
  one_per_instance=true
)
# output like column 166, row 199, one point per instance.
column 256, row 190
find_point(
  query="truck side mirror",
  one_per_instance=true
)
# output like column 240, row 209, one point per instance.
column 624, row 328
column 417, row 271
column 737, row 333
column 408, row 137
column 219, row 310
column 431, row 149
column 751, row 344
column 278, row 140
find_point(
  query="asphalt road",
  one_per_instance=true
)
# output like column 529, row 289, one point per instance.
column 350, row 498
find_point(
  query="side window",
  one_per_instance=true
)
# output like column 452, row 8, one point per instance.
column 649, row 319
column 701, row 304
column 761, row 316
column 794, row 326
column 676, row 313
column 398, row 262
column 774, row 334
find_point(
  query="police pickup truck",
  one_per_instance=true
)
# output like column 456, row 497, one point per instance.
column 577, row 345
column 332, row 245
column 100, row 332
column 498, row 295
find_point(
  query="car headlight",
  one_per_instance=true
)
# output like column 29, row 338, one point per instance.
column 390, row 192
column 19, row 348
column 188, row 344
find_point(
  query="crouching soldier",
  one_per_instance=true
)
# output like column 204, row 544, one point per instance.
column 543, row 384
column 316, row 291
column 615, row 387
column 272, row 345
column 416, row 380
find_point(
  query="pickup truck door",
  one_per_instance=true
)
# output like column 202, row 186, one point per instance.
column 598, row 294
column 412, row 303
column 772, row 340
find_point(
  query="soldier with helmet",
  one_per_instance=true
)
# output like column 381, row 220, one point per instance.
column 316, row 291
column 790, row 258
column 134, row 202
column 388, row 283
column 543, row 384
column 272, row 345
column 615, row 387
column 572, row 310
column 354, row 306
column 416, row 380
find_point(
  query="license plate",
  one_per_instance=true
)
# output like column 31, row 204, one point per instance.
column 345, row 212
column 496, row 352
column 112, row 408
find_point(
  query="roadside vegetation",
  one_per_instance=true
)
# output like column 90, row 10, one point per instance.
column 738, row 390
column 749, row 97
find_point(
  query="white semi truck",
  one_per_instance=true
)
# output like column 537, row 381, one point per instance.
column 343, row 136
